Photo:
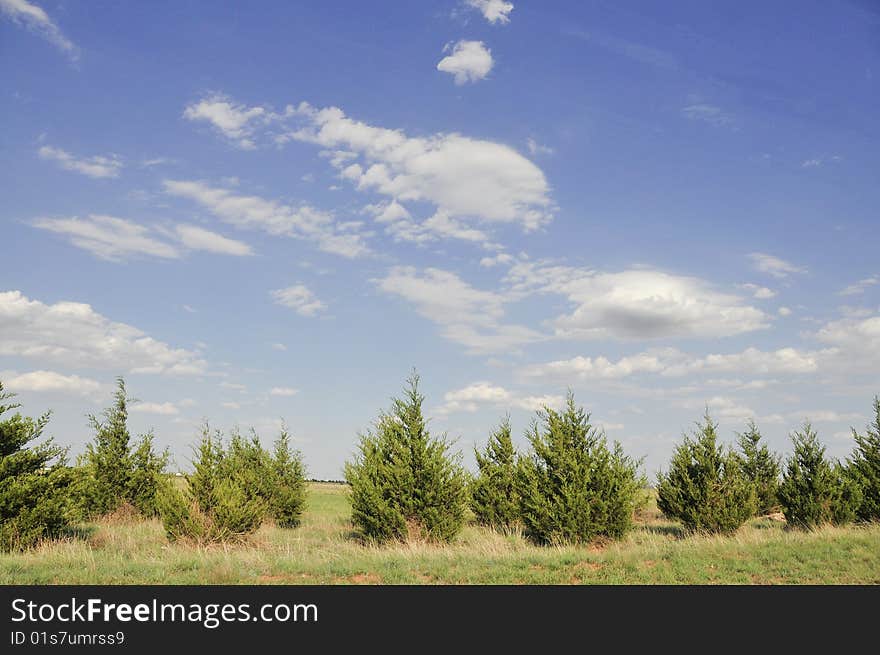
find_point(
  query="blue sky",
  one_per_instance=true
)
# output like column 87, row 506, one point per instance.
column 278, row 210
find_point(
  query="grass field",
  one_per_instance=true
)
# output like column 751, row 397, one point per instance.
column 324, row 551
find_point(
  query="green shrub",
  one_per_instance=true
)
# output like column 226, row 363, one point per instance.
column 217, row 505
column 814, row 490
column 705, row 488
column 289, row 489
column 404, row 482
column 572, row 487
column 494, row 498
column 33, row 481
column 864, row 467
column 760, row 467
column 113, row 470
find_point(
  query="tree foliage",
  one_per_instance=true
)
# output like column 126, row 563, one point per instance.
column 760, row 467
column 815, row 490
column 494, row 498
column 864, row 467
column 705, row 487
column 572, row 487
column 34, row 481
column 114, row 470
column 405, row 483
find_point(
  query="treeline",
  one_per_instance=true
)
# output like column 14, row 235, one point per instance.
column 570, row 486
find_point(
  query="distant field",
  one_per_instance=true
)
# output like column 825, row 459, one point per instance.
column 323, row 551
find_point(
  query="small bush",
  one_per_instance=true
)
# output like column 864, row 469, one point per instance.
column 572, row 487
column 864, row 467
column 814, row 490
column 404, row 482
column 34, row 482
column 289, row 488
column 218, row 504
column 705, row 488
column 760, row 467
column 494, row 498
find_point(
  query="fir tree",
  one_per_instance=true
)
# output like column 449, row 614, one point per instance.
column 760, row 467
column 814, row 490
column 404, row 482
column 33, row 481
column 494, row 498
column 289, row 493
column 864, row 467
column 113, row 470
column 572, row 487
column 705, row 488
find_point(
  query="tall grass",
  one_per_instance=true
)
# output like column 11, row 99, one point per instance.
column 325, row 550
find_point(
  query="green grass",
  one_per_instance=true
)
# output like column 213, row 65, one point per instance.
column 324, row 551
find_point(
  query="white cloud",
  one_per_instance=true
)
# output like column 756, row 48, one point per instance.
column 37, row 20
column 468, row 316
column 774, row 266
column 50, row 382
column 783, row 311
column 197, row 238
column 856, row 342
column 811, row 163
column 230, row 405
column 707, row 114
column 637, row 304
column 670, row 362
column 109, row 237
column 759, row 292
column 253, row 212
column 496, row 260
column 162, row 409
column 495, row 11
column 279, row 346
column 470, row 61
column 283, row 391
column 299, row 298
column 234, row 386
column 97, row 167
column 471, row 397
column 74, row 334
column 235, row 121
column 861, row 286
column 465, row 178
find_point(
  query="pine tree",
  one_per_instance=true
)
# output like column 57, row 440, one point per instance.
column 704, row 487
column 572, row 487
column 864, row 467
column 33, row 481
column 113, row 470
column 494, row 498
column 814, row 490
column 760, row 467
column 219, row 503
column 404, row 482
column 289, row 487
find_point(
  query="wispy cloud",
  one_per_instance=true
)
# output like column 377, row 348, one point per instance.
column 861, row 286
column 494, row 11
column 707, row 114
column 37, row 20
column 775, row 266
column 299, row 298
column 98, row 166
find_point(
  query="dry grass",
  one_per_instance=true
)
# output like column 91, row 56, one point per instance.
column 125, row 549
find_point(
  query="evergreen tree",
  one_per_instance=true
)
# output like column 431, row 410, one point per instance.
column 572, row 487
column 404, row 482
column 705, row 488
column 33, row 481
column 760, row 467
column 815, row 490
column 217, row 504
column 494, row 498
column 113, row 470
column 864, row 467
column 289, row 493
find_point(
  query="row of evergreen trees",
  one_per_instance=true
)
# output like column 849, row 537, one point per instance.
column 234, row 488
column 572, row 486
